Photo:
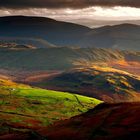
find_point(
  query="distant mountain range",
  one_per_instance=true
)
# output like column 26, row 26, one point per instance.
column 96, row 23
column 123, row 36
column 58, row 33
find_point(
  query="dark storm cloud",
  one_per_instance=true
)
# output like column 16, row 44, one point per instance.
column 66, row 3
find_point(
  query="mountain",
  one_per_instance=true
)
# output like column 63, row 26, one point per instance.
column 58, row 33
column 104, row 122
column 122, row 36
column 93, row 23
column 55, row 32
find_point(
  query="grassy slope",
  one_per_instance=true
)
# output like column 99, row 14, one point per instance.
column 101, row 82
column 25, row 107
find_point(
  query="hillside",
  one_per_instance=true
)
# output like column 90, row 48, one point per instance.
column 55, row 32
column 107, row 74
column 32, row 42
column 122, row 36
column 106, row 121
column 61, row 58
column 24, row 108
column 101, row 82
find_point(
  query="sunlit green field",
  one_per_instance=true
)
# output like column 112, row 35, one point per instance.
column 24, row 106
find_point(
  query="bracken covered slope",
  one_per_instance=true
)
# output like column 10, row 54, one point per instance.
column 105, row 122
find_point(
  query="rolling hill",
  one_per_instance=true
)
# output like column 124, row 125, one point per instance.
column 24, row 108
column 122, row 36
column 105, row 83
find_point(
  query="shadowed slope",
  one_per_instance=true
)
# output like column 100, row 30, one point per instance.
column 55, row 32
column 105, row 122
column 61, row 58
column 122, row 36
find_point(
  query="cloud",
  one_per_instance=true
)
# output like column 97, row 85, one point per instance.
column 92, row 16
column 84, row 15
column 75, row 4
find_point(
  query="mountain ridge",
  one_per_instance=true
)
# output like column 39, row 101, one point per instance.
column 69, row 34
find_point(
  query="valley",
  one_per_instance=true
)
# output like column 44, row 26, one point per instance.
column 61, row 80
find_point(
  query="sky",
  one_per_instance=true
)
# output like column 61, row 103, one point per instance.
column 78, row 11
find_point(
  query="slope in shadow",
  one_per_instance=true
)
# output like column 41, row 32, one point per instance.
column 105, row 122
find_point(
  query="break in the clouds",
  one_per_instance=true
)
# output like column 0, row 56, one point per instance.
column 84, row 12
column 66, row 3
column 95, row 12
